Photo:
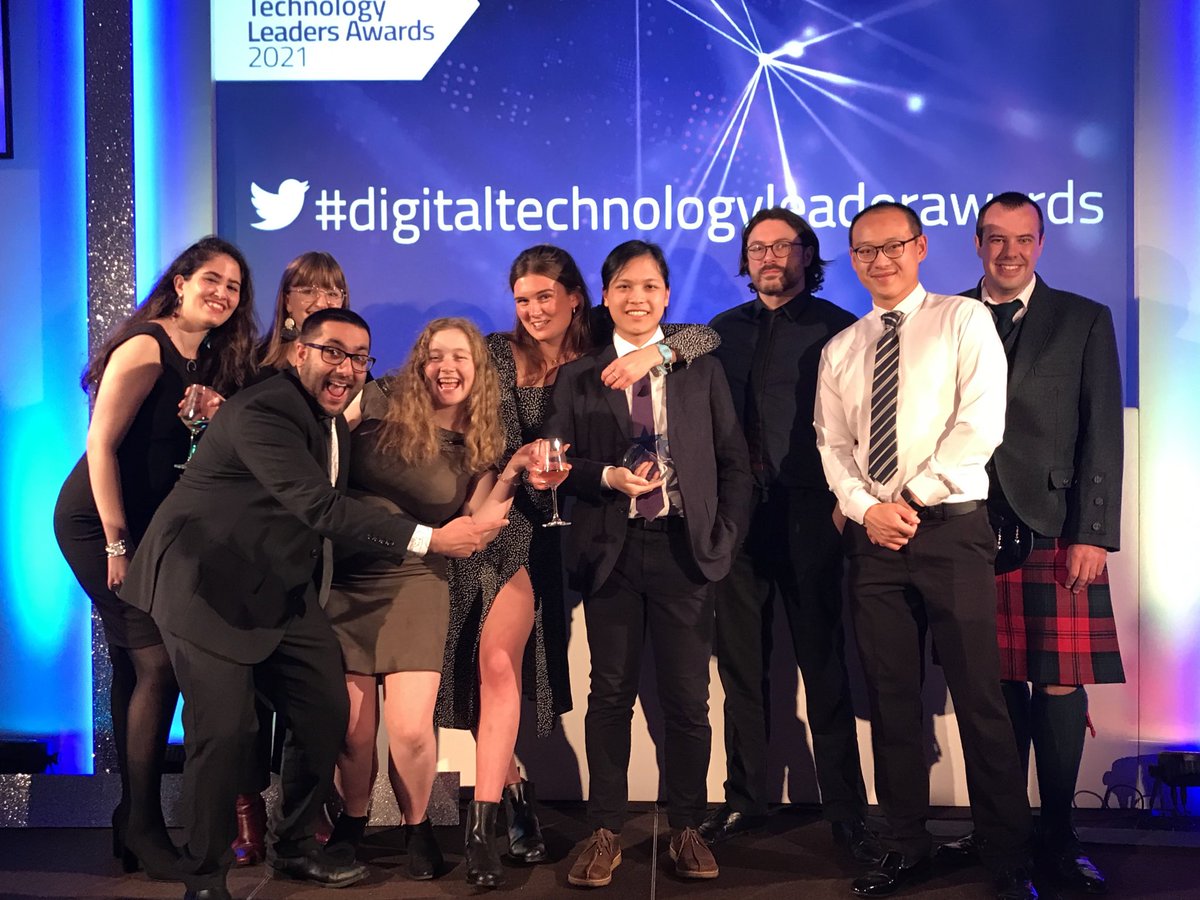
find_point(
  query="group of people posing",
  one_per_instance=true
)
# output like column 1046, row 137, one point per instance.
column 340, row 551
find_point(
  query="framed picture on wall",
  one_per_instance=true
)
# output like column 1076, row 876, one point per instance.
column 6, row 150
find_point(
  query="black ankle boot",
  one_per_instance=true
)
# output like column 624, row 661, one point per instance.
column 347, row 834
column 424, row 854
column 525, row 843
column 483, row 862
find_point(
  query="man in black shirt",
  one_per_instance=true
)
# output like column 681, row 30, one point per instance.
column 770, row 348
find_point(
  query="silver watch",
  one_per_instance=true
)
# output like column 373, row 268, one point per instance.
column 667, row 355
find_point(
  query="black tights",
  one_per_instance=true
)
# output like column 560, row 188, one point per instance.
column 144, row 695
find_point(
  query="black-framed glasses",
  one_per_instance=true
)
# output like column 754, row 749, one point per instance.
column 333, row 356
column 779, row 249
column 866, row 253
column 311, row 292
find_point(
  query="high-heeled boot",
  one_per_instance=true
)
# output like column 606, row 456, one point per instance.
column 483, row 862
column 345, row 837
column 525, row 842
column 424, row 854
column 249, row 847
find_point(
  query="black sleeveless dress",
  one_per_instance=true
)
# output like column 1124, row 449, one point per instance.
column 146, row 460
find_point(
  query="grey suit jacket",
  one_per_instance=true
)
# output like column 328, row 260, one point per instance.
column 1060, row 464
column 230, row 556
column 708, row 451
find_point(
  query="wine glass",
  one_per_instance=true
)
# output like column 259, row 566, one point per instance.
column 553, row 468
column 194, row 414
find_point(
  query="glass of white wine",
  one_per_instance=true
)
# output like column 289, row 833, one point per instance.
column 194, row 414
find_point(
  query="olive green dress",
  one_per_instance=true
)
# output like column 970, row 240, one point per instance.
column 388, row 617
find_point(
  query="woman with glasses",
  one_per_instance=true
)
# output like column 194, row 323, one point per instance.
column 196, row 327
column 507, row 601
column 311, row 281
column 426, row 441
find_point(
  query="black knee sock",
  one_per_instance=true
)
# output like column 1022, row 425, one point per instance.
column 1058, row 724
column 1016, row 695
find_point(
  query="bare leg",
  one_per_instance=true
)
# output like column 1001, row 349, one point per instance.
column 501, row 650
column 408, row 700
column 357, row 765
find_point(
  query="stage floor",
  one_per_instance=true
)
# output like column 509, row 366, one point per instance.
column 793, row 857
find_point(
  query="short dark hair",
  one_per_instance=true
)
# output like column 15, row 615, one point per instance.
column 1010, row 200
column 913, row 219
column 314, row 322
column 623, row 254
column 814, row 272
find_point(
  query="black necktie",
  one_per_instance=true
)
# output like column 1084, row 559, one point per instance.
column 881, row 460
column 1006, row 314
column 641, row 412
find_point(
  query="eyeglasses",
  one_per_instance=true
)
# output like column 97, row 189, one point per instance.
column 779, row 249
column 892, row 250
column 334, row 355
column 315, row 293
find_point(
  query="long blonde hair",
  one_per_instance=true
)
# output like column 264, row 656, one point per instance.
column 408, row 429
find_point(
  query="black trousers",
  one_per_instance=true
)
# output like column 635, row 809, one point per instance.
column 303, row 680
column 941, row 580
column 655, row 587
column 794, row 554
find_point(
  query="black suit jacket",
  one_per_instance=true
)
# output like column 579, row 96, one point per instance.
column 708, row 451
column 230, row 556
column 1060, row 465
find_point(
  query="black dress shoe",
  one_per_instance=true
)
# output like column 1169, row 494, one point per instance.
column 725, row 822
column 964, row 851
column 1071, row 868
column 860, row 841
column 218, row 893
column 317, row 868
column 1015, row 885
column 893, row 872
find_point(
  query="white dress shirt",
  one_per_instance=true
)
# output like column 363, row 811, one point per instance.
column 672, row 500
column 949, row 410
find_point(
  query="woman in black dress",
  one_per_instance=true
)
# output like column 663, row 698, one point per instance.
column 310, row 282
column 507, row 618
column 196, row 327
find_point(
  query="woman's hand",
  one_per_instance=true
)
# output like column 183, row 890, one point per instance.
column 118, row 568
column 625, row 370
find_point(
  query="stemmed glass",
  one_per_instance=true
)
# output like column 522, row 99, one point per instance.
column 194, row 414
column 553, row 469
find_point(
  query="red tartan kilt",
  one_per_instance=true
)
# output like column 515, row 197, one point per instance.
column 1048, row 635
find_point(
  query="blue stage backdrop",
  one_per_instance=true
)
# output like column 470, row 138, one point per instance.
column 587, row 123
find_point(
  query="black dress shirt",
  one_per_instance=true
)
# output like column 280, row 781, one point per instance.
column 771, row 359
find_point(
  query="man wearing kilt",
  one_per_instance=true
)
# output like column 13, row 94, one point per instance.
column 1058, row 473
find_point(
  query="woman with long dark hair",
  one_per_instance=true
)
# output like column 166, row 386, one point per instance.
column 196, row 327
column 506, row 602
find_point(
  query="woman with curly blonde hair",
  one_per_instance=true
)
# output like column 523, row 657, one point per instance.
column 427, row 442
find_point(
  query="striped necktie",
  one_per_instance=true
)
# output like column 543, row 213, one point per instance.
column 881, row 461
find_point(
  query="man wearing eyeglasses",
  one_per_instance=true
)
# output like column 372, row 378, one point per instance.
column 910, row 406
column 229, row 571
column 770, row 348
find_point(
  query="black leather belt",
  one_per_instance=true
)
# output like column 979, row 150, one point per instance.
column 944, row 511
column 662, row 523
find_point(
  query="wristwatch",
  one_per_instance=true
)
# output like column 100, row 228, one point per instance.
column 667, row 356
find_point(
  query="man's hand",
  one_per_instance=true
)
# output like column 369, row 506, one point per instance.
column 463, row 536
column 633, row 484
column 625, row 370
column 1084, row 565
column 891, row 525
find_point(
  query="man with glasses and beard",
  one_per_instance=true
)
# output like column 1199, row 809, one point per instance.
column 229, row 570
column 770, row 348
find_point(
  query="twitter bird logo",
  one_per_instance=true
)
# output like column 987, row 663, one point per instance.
column 278, row 210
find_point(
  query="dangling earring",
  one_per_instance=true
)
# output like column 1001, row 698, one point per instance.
column 289, row 331
column 178, row 305
column 574, row 311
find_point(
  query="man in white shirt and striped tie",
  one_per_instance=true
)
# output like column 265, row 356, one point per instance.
column 910, row 406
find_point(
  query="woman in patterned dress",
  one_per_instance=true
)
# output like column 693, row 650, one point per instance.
column 507, row 616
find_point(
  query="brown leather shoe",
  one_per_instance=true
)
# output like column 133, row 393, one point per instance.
column 692, row 857
column 595, row 863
